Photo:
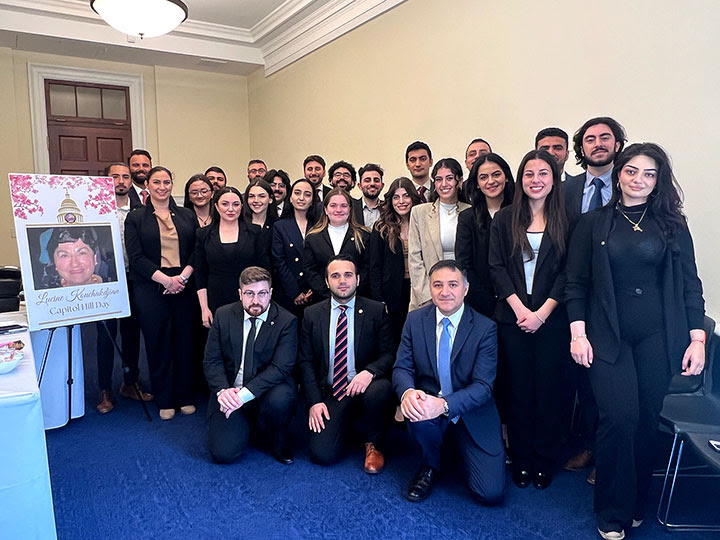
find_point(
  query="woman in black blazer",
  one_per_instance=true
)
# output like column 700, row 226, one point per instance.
column 160, row 239
column 292, row 291
column 336, row 232
column 489, row 187
column 223, row 251
column 259, row 213
column 635, row 304
column 527, row 261
column 198, row 198
column 388, row 253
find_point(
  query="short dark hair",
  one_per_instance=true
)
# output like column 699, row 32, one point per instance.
column 115, row 164
column 272, row 173
column 370, row 167
column 140, row 152
column 215, row 168
column 341, row 257
column 615, row 127
column 477, row 141
column 313, row 157
column 254, row 274
column 253, row 161
column 417, row 145
column 551, row 132
column 450, row 264
column 345, row 165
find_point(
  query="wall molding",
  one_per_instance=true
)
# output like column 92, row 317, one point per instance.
column 38, row 73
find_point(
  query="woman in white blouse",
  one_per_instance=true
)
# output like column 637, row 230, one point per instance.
column 431, row 237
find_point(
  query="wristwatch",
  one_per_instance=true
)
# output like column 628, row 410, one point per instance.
column 446, row 408
column 184, row 279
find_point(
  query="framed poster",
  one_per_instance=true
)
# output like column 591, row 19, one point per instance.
column 70, row 249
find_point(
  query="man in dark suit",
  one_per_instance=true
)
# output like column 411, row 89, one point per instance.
column 367, row 208
column 314, row 171
column 444, row 376
column 140, row 163
column 555, row 142
column 346, row 354
column 249, row 356
column 342, row 175
column 418, row 160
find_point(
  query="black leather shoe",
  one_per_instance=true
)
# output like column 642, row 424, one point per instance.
column 421, row 485
column 542, row 480
column 284, row 456
column 521, row 477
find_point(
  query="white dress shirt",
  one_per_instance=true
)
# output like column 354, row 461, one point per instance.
column 245, row 394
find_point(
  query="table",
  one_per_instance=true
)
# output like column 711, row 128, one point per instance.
column 26, row 506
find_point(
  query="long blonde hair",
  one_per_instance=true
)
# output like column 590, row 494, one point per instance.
column 355, row 227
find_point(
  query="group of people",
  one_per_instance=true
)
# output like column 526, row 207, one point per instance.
column 410, row 306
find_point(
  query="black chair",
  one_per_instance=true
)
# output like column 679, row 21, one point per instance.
column 691, row 412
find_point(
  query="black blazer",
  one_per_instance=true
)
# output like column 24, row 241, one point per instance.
column 142, row 240
column 590, row 293
column 287, row 254
column 358, row 211
column 317, row 253
column 573, row 192
column 471, row 253
column 135, row 201
column 373, row 345
column 274, row 353
column 218, row 266
column 508, row 274
column 386, row 272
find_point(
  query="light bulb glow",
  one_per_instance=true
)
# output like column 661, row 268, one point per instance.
column 142, row 18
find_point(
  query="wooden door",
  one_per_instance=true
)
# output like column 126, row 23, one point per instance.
column 86, row 150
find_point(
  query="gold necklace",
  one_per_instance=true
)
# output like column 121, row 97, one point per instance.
column 635, row 224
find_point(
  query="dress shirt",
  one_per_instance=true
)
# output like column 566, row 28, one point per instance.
column 427, row 185
column 452, row 329
column 589, row 189
column 337, row 235
column 122, row 212
column 334, row 314
column 245, row 394
column 139, row 191
column 370, row 215
column 448, row 229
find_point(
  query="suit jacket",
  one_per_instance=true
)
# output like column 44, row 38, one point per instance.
column 287, row 251
column 573, row 191
column 424, row 248
column 274, row 353
column 471, row 253
column 373, row 345
column 386, row 272
column 508, row 273
column 590, row 293
column 357, row 205
column 142, row 240
column 473, row 361
column 317, row 253
column 135, row 201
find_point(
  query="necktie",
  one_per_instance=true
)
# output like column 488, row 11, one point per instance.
column 247, row 367
column 444, row 359
column 421, row 192
column 144, row 194
column 596, row 201
column 340, row 367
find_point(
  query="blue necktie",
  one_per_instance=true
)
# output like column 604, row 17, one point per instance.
column 444, row 359
column 596, row 201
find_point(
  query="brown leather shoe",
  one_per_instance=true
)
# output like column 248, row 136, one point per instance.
column 591, row 477
column 580, row 461
column 130, row 393
column 374, row 459
column 106, row 402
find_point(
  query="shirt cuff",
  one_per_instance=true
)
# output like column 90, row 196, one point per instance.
column 405, row 392
column 245, row 395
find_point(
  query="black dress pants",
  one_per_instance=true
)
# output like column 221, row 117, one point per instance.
column 372, row 411
column 272, row 411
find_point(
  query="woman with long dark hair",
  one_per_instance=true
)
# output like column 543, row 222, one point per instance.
column 336, row 231
column 388, row 253
column 198, row 194
column 160, row 240
column 527, row 262
column 489, row 187
column 636, row 308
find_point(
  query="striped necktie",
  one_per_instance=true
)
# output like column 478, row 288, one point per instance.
column 340, row 367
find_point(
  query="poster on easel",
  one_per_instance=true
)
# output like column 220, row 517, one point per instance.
column 70, row 249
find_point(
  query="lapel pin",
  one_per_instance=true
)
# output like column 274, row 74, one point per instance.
column 272, row 323
column 360, row 310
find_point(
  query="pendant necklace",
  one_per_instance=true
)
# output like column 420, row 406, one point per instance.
column 635, row 224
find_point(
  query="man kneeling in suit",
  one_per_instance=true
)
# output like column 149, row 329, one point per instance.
column 346, row 353
column 444, row 375
column 249, row 356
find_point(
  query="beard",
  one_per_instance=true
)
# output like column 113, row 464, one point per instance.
column 600, row 162
column 138, row 178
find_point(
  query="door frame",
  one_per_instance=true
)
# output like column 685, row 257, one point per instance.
column 37, row 73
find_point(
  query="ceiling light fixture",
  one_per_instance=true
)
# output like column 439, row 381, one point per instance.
column 143, row 18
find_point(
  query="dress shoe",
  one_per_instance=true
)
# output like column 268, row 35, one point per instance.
column 188, row 409
column 580, row 461
column 284, row 456
column 167, row 414
column 374, row 459
column 612, row 535
column 541, row 480
column 637, row 522
column 130, row 393
column 521, row 477
column 421, row 485
column 106, row 402
column 591, row 477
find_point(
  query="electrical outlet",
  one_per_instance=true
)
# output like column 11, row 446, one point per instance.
column 12, row 232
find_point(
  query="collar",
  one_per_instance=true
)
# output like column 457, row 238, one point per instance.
column 605, row 178
column 365, row 205
column 263, row 316
column 454, row 318
column 351, row 304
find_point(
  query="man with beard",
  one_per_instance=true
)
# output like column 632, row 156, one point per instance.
column 418, row 160
column 280, row 184
column 555, row 142
column 249, row 358
column 596, row 144
column 345, row 358
column 256, row 169
column 314, row 171
column 129, row 326
column 477, row 147
column 367, row 207
column 343, row 175
column 217, row 177
column 140, row 163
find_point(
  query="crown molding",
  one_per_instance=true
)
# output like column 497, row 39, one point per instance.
column 279, row 16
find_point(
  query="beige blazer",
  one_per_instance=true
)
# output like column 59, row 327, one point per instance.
column 424, row 249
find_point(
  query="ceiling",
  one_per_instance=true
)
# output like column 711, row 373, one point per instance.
column 223, row 36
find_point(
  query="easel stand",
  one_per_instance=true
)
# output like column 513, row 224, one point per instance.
column 70, row 380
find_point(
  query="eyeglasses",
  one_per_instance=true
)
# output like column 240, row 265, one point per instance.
column 196, row 192
column 257, row 171
column 262, row 295
column 277, row 185
column 339, row 174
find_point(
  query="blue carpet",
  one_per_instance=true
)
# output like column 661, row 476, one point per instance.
column 119, row 476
